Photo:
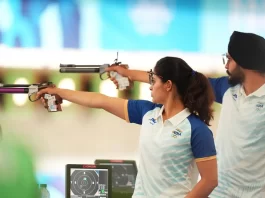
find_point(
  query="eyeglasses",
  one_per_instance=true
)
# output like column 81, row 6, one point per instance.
column 151, row 77
column 225, row 58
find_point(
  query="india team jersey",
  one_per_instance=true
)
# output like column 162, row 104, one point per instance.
column 168, row 150
column 240, row 141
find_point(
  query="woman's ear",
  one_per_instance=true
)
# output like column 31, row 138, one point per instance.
column 169, row 85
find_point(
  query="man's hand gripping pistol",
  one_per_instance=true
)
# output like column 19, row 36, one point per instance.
column 32, row 90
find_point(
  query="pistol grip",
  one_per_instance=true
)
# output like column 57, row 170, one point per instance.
column 53, row 103
column 123, row 82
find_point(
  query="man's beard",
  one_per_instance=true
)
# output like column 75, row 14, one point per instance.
column 236, row 77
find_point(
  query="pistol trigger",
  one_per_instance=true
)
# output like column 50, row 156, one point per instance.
column 100, row 75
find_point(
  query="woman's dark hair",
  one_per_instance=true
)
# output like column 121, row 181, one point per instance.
column 193, row 87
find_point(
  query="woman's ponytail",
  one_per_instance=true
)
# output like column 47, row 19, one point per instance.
column 199, row 97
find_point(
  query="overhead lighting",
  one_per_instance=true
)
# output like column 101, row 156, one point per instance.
column 145, row 93
column 108, row 88
column 20, row 99
column 67, row 83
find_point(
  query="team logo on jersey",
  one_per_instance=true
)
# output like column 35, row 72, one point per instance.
column 176, row 133
column 259, row 106
column 234, row 96
column 152, row 121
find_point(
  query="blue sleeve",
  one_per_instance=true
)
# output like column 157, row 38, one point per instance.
column 202, row 143
column 220, row 86
column 136, row 109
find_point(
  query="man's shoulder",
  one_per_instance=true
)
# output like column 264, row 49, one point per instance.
column 233, row 91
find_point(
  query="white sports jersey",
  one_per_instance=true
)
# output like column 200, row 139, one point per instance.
column 168, row 150
column 240, row 141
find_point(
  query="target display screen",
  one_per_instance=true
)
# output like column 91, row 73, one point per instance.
column 88, row 181
column 123, row 174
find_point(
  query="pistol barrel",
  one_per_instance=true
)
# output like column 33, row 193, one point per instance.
column 14, row 85
column 6, row 90
column 78, row 66
column 79, row 70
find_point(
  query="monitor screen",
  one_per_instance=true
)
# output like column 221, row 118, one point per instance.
column 123, row 174
column 88, row 181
